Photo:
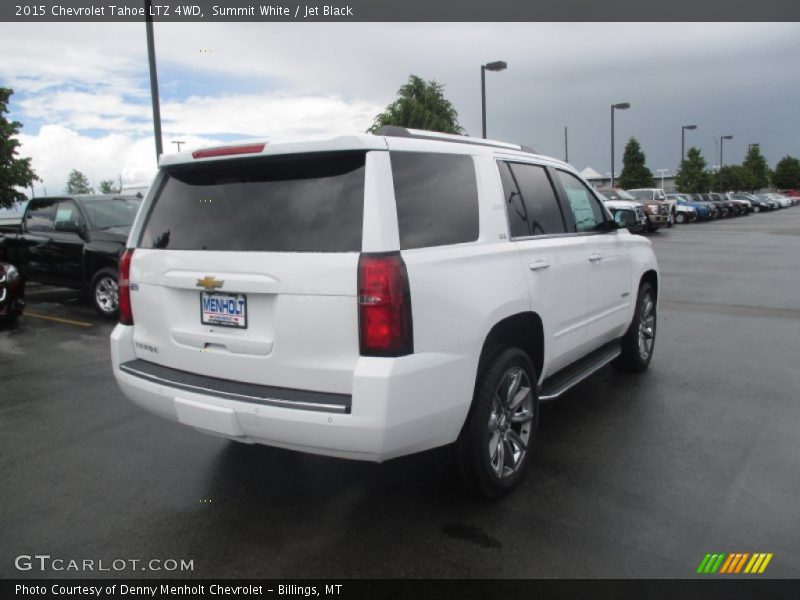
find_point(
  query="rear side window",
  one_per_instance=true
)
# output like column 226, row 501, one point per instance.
column 437, row 198
column 290, row 203
column 530, row 200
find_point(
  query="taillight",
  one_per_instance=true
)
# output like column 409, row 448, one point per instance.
column 124, row 285
column 229, row 150
column 384, row 306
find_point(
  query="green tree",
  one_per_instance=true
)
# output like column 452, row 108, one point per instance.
column 787, row 173
column 635, row 173
column 692, row 177
column 733, row 178
column 107, row 187
column 756, row 165
column 77, row 183
column 420, row 105
column 14, row 172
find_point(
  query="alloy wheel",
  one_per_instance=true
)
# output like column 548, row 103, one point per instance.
column 510, row 420
column 106, row 294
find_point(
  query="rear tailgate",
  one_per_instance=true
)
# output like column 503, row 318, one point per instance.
column 246, row 270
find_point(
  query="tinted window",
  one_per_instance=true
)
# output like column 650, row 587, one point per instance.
column 437, row 198
column 641, row 194
column 295, row 203
column 585, row 207
column 40, row 215
column 530, row 200
column 111, row 212
column 68, row 216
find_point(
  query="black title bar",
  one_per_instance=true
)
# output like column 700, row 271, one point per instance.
column 398, row 10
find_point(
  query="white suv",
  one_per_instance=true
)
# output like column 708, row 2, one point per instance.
column 373, row 296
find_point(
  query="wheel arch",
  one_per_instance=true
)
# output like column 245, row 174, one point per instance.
column 650, row 276
column 523, row 330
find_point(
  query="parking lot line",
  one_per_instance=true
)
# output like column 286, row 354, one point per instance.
column 58, row 319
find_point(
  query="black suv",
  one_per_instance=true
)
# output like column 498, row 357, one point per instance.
column 74, row 242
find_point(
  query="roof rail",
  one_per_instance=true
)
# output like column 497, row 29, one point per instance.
column 421, row 134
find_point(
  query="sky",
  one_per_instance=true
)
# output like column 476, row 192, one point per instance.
column 82, row 91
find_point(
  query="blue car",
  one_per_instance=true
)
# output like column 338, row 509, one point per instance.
column 705, row 210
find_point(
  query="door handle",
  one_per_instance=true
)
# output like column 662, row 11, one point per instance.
column 595, row 258
column 539, row 265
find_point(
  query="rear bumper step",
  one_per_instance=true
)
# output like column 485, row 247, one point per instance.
column 558, row 383
column 235, row 390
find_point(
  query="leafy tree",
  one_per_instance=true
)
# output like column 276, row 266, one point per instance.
column 692, row 177
column 733, row 178
column 421, row 105
column 787, row 173
column 77, row 183
column 756, row 165
column 14, row 172
column 634, row 173
column 107, row 187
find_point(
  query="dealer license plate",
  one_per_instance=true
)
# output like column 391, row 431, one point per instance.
column 225, row 310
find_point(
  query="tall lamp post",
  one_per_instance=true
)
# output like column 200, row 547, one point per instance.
column 683, row 139
column 620, row 106
column 151, row 58
column 722, row 164
column 498, row 65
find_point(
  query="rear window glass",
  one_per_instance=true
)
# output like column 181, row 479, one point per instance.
column 290, row 203
column 437, row 198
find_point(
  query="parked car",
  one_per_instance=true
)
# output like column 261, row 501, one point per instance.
column 743, row 205
column 656, row 195
column 784, row 201
column 74, row 242
column 313, row 297
column 724, row 207
column 756, row 204
column 12, row 293
column 657, row 212
column 774, row 204
column 702, row 210
column 640, row 218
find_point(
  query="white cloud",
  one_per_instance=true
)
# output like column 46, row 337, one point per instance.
column 56, row 150
column 268, row 115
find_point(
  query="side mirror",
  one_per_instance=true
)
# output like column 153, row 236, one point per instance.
column 625, row 219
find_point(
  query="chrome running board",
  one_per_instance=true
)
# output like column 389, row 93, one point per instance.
column 568, row 377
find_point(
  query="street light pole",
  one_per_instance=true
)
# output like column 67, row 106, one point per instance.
column 620, row 106
column 497, row 65
column 721, row 164
column 683, row 139
column 151, row 56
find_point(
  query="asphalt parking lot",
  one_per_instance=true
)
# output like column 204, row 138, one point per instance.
column 634, row 476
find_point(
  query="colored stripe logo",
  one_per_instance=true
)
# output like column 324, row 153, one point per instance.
column 736, row 562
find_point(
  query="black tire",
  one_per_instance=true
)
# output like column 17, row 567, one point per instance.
column 104, row 293
column 469, row 461
column 636, row 355
column 680, row 218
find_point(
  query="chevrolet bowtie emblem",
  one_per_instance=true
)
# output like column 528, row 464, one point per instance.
column 209, row 283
